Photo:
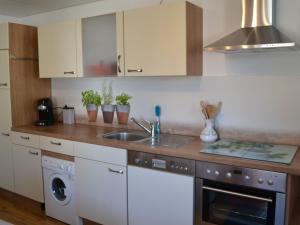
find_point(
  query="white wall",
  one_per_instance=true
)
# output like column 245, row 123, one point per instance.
column 9, row 19
column 258, row 91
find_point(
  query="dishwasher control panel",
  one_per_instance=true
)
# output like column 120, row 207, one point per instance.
column 160, row 162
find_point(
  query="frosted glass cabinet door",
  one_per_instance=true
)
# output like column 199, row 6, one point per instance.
column 99, row 45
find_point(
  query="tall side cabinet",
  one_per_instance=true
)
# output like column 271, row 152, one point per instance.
column 20, row 88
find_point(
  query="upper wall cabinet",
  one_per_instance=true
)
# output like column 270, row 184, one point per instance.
column 155, row 41
column 4, row 43
column 82, row 48
column 60, row 53
column 20, row 40
column 163, row 40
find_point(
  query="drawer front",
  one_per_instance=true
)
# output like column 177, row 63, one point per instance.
column 101, row 153
column 57, row 145
column 29, row 140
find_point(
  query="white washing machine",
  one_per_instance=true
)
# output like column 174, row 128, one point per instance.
column 59, row 190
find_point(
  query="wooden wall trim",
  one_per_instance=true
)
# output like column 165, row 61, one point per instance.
column 58, row 155
column 194, row 31
column 26, row 86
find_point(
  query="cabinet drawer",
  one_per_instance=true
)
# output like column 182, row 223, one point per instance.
column 29, row 140
column 101, row 153
column 57, row 145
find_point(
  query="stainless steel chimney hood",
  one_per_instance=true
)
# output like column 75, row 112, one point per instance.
column 257, row 32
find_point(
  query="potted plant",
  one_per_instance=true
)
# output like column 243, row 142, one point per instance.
column 123, row 108
column 91, row 100
column 108, row 109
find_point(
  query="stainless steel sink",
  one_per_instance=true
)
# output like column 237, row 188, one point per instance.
column 167, row 140
column 126, row 136
column 164, row 140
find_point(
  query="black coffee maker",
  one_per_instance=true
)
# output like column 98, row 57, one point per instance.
column 45, row 111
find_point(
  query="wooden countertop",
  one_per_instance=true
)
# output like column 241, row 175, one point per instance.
column 93, row 135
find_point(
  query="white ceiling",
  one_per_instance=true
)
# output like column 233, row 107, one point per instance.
column 22, row 8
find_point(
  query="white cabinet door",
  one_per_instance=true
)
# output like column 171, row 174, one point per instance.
column 159, row 198
column 101, row 192
column 4, row 69
column 155, row 40
column 6, row 164
column 60, row 53
column 5, row 112
column 4, row 41
column 28, row 172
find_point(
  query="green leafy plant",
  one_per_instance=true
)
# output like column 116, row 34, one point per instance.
column 90, row 97
column 107, row 94
column 123, row 99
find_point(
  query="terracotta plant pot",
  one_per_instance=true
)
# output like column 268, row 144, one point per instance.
column 108, row 112
column 92, row 111
column 123, row 114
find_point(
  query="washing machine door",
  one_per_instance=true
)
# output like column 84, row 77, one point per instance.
column 60, row 189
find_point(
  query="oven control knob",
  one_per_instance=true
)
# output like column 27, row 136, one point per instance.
column 247, row 177
column 186, row 168
column 217, row 173
column 260, row 181
column 208, row 171
column 270, row 182
column 228, row 175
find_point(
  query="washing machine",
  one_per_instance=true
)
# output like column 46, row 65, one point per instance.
column 59, row 190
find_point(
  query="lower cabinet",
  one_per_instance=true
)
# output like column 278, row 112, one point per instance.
column 6, row 164
column 101, row 190
column 28, row 177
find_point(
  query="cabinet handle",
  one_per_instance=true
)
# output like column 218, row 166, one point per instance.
column 3, row 84
column 135, row 71
column 69, row 72
column 119, row 62
column 115, row 171
column 5, row 134
column 55, row 143
column 24, row 138
column 33, row 153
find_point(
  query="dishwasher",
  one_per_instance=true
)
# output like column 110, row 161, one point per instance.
column 160, row 189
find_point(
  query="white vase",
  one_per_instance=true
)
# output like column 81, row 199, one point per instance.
column 209, row 134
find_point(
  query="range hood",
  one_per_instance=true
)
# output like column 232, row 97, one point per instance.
column 257, row 32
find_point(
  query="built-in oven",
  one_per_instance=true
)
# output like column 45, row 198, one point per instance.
column 227, row 195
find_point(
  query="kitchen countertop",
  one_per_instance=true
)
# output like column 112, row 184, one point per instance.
column 93, row 135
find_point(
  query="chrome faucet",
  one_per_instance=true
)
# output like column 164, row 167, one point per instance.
column 150, row 131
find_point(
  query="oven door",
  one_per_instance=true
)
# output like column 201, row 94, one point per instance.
column 227, row 204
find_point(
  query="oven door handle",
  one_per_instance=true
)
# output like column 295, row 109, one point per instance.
column 237, row 194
